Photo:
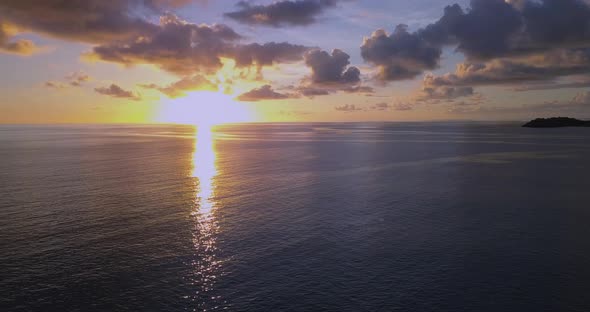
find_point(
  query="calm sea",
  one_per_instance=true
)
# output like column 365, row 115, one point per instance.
column 295, row 217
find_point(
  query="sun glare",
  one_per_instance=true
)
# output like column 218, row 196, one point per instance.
column 204, row 108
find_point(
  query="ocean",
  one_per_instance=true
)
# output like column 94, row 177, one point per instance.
column 295, row 217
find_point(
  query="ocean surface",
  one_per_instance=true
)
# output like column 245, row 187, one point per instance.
column 295, row 217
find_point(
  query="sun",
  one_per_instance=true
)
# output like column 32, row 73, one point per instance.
column 204, row 108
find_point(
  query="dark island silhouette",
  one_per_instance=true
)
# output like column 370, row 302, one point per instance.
column 556, row 122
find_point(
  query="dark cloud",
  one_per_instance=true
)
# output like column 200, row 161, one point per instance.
column 124, row 32
column 115, row 91
column 330, row 73
column 184, row 49
column 401, row 55
column 180, row 87
column 281, row 13
column 94, row 21
column 557, row 22
column 263, row 93
column 331, row 69
column 517, row 27
column 175, row 46
column 487, row 31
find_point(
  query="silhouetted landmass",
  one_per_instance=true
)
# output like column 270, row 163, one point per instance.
column 556, row 122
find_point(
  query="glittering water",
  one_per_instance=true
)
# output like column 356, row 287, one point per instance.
column 294, row 217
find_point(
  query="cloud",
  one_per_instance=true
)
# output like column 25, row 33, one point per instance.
column 388, row 107
column 54, row 85
column 266, row 54
column 92, row 21
column 348, row 108
column 331, row 69
column 542, row 67
column 444, row 93
column 358, row 89
column 464, row 107
column 546, row 109
column 351, row 108
column 281, row 13
column 175, row 46
column 579, row 105
column 403, row 107
column 557, row 22
column 401, row 55
column 381, row 106
column 495, row 20
column 180, row 87
column 19, row 47
column 582, row 98
column 433, row 92
column 184, row 48
column 312, row 92
column 263, row 93
column 490, row 30
column 573, row 84
column 330, row 73
column 76, row 79
column 115, row 91
column 123, row 32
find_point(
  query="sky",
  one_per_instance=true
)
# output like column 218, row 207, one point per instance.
column 208, row 62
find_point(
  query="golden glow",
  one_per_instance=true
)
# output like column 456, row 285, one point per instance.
column 209, row 108
column 204, row 108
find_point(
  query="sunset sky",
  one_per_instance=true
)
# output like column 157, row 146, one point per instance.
column 182, row 61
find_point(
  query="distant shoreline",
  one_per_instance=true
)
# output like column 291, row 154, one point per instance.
column 556, row 122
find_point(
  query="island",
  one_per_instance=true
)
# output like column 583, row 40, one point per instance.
column 556, row 122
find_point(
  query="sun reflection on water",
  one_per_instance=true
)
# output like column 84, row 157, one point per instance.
column 206, row 264
column 204, row 168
